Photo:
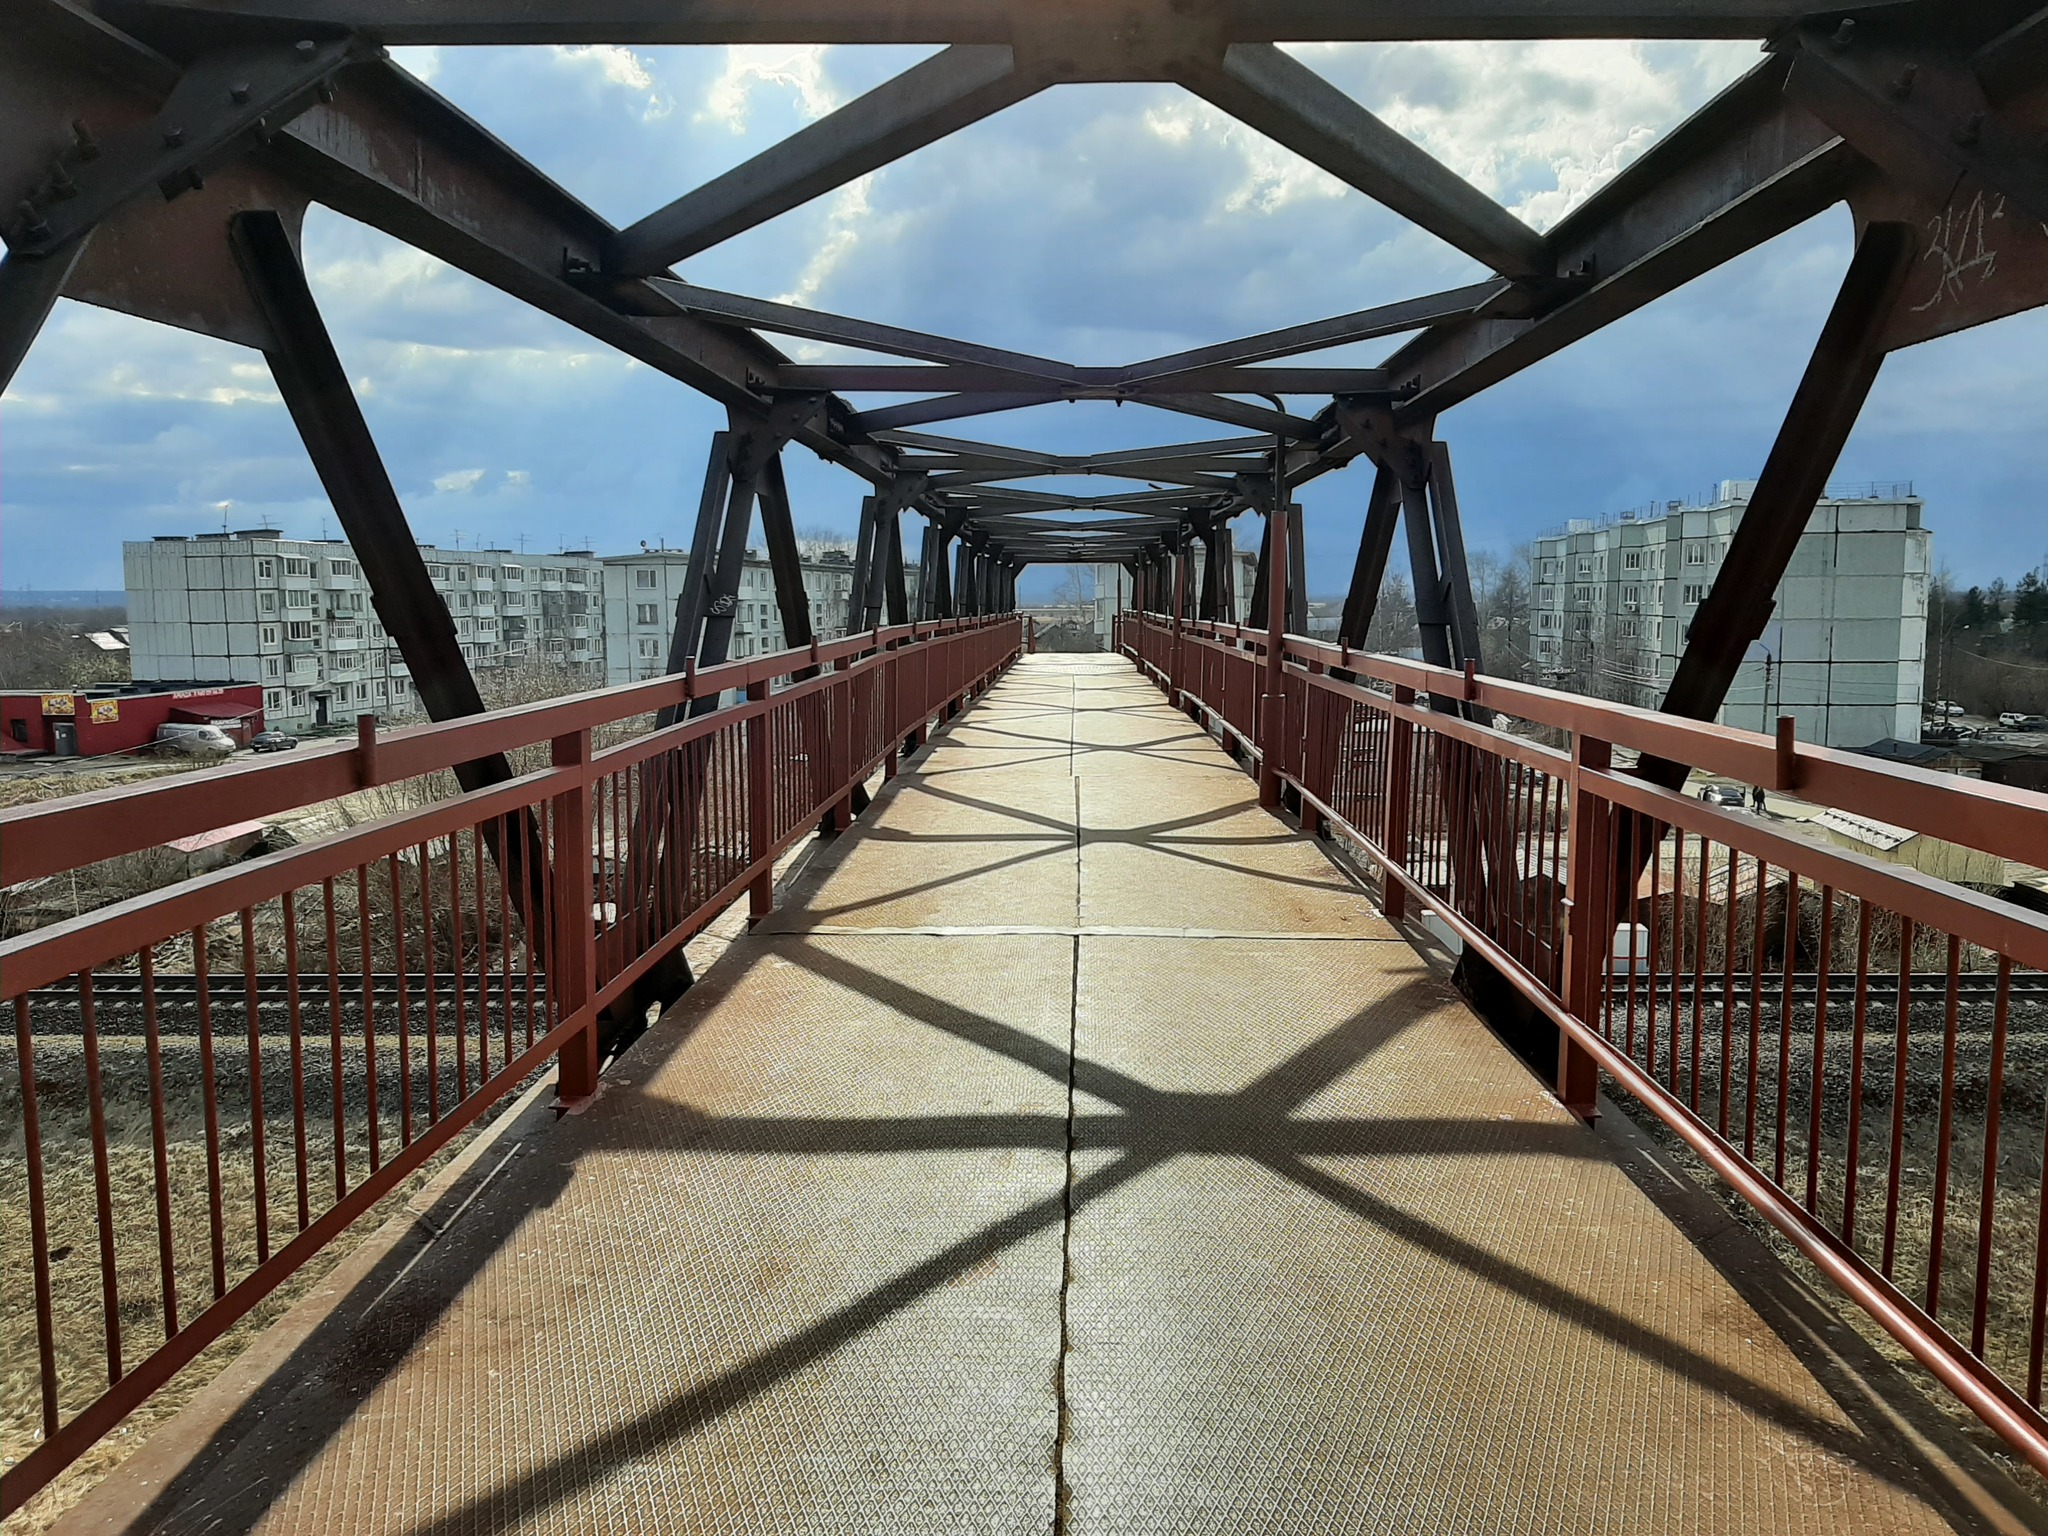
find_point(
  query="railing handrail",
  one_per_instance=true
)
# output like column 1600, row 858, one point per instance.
column 58, row 835
column 1998, row 819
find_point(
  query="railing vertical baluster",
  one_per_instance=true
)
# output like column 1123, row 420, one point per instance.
column 572, row 968
column 294, row 1008
column 1860, row 1019
column 1817, row 1075
column 258, row 1166
column 1944, row 1133
column 1903, row 1029
column 1987, row 1200
column 1399, row 802
column 1589, row 880
column 760, row 837
column 159, row 1141
column 38, row 1215
column 210, row 1100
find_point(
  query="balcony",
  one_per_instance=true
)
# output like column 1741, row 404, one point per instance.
column 579, row 629
column 345, row 637
column 335, row 581
column 301, row 647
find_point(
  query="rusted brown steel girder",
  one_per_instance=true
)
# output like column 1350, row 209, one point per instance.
column 316, row 391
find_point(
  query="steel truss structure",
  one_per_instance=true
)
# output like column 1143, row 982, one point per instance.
column 158, row 156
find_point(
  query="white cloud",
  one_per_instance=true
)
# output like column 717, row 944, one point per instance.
column 458, row 482
column 423, row 63
column 1540, row 125
column 624, row 69
column 851, row 219
column 1271, row 177
column 750, row 66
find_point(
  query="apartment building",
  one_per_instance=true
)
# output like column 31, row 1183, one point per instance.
column 640, row 593
column 295, row 615
column 1842, row 654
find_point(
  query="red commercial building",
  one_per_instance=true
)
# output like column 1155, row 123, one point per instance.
column 92, row 722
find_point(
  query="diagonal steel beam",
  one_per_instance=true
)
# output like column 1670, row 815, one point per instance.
column 1090, row 383
column 816, row 325
column 1294, row 106
column 29, row 288
column 1823, row 412
column 925, row 103
column 913, row 413
column 1359, row 325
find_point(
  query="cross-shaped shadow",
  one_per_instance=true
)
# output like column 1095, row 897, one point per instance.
column 1261, row 1122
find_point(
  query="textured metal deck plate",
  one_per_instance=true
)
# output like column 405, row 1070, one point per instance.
column 1016, row 1177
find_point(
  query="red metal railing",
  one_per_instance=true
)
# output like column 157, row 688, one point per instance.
column 1853, row 1045
column 216, row 1078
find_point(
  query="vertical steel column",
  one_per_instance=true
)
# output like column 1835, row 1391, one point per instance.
column 791, row 600
column 1432, row 611
column 695, row 596
column 930, row 555
column 1375, row 544
column 1823, row 412
column 894, row 589
column 29, row 288
column 1461, row 611
column 963, row 580
column 864, row 564
column 1262, row 581
column 1297, row 572
column 1273, row 703
column 751, row 447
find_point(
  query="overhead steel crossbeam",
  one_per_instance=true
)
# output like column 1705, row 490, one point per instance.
column 388, row 151
column 290, row 101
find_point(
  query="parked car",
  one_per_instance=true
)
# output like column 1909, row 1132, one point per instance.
column 181, row 740
column 1727, row 796
column 2035, row 723
column 273, row 741
column 1944, row 707
column 2011, row 717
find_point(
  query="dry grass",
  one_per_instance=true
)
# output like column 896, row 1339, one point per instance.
column 78, row 1306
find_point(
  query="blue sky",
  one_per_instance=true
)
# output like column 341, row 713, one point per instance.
column 1094, row 223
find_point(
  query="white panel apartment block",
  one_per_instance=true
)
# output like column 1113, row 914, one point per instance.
column 1842, row 654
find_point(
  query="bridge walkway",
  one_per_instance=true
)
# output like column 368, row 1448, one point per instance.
column 1075, row 1149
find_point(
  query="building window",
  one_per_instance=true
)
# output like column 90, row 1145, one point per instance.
column 1633, row 560
column 272, row 667
column 650, row 647
column 298, row 699
column 298, row 598
column 1695, row 591
column 265, row 570
column 267, row 601
column 512, row 572
column 643, row 576
column 398, row 687
column 274, row 699
column 646, row 613
column 270, row 634
column 342, row 567
column 1695, row 554
column 437, row 573
column 296, row 567
column 298, row 630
